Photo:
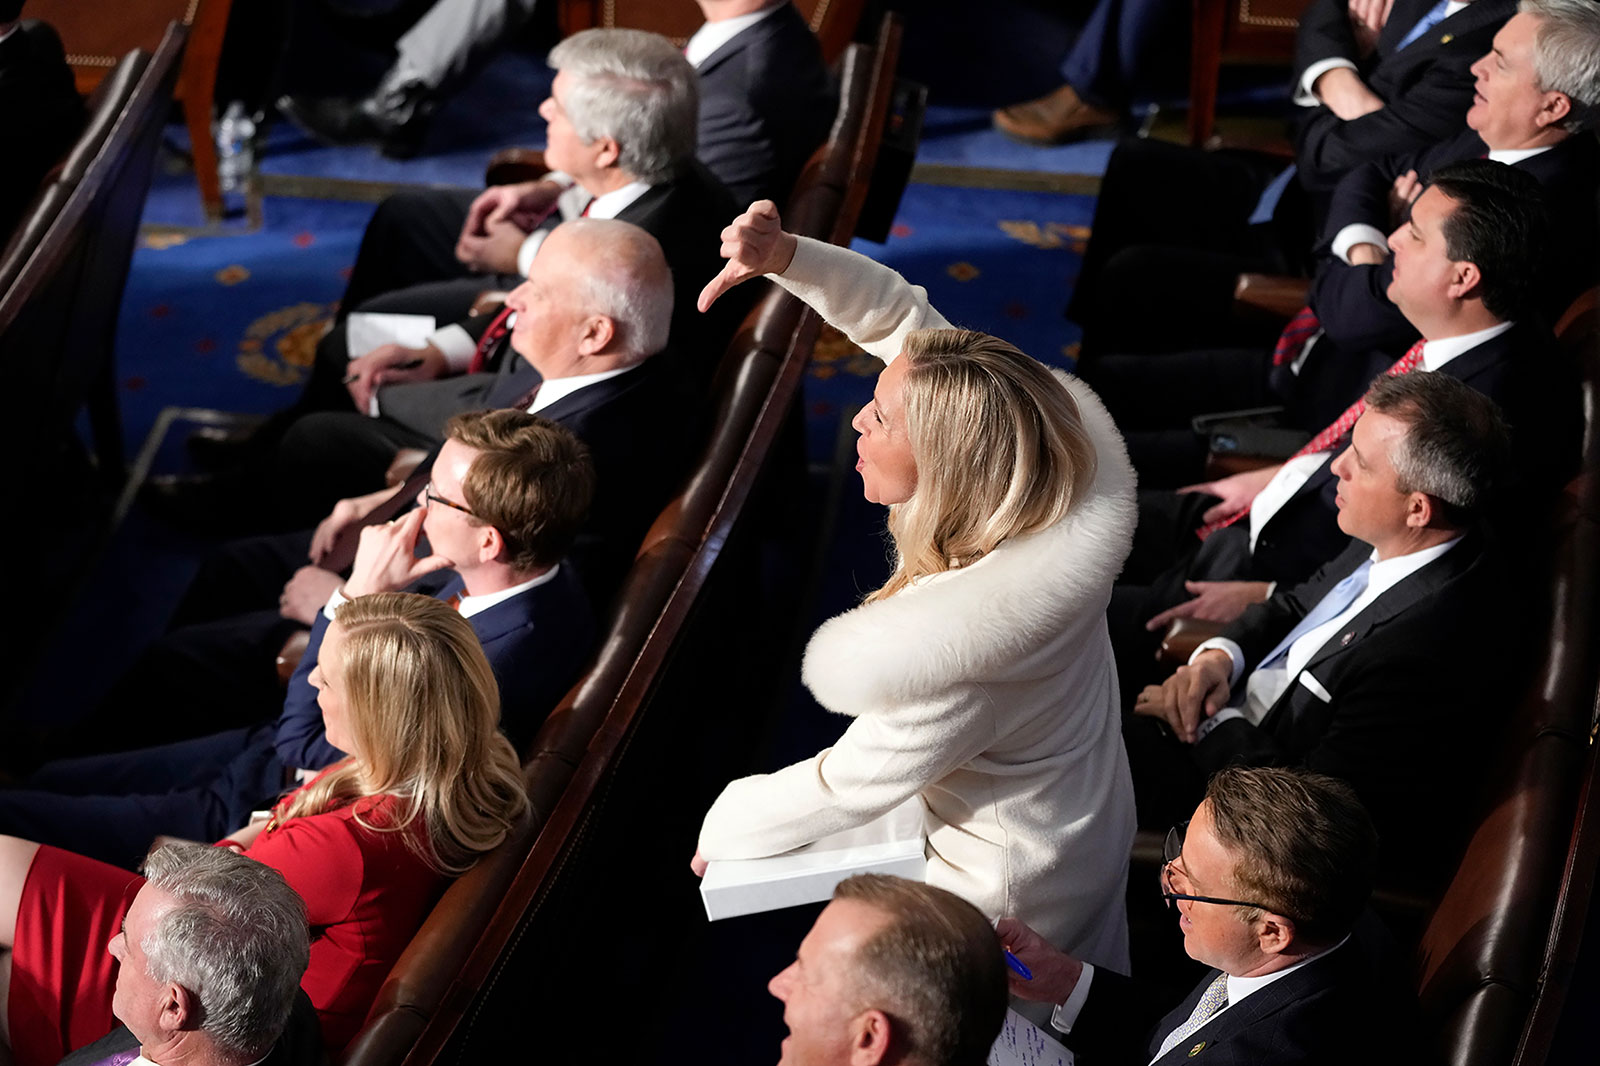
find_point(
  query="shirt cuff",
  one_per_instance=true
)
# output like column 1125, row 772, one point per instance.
column 1357, row 233
column 1066, row 1013
column 529, row 249
column 456, row 344
column 1235, row 653
column 1302, row 92
column 335, row 601
column 1215, row 720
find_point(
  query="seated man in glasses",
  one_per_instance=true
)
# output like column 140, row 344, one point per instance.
column 1269, row 878
column 1363, row 672
column 507, row 495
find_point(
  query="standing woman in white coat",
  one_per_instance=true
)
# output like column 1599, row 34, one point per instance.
column 980, row 676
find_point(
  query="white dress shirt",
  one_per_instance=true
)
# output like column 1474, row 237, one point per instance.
column 713, row 35
column 469, row 605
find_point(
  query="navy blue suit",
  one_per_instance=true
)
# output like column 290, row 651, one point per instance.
column 110, row 807
column 1129, row 48
column 1303, row 1017
column 765, row 105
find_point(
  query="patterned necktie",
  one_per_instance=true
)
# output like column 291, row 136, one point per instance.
column 1292, row 341
column 525, row 401
column 1331, row 606
column 121, row 1058
column 1212, row 1000
column 1331, row 435
column 491, row 336
column 1427, row 22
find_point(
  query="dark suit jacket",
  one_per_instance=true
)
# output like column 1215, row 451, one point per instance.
column 1352, row 300
column 765, row 105
column 535, row 643
column 686, row 215
column 1407, row 711
column 1304, row 1017
column 41, row 115
column 300, row 1044
column 1426, row 86
column 1538, row 394
column 640, row 428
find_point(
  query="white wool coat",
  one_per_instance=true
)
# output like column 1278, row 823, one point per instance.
column 989, row 690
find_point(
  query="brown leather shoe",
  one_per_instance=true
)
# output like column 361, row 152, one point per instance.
column 1059, row 116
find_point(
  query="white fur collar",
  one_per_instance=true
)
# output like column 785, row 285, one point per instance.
column 963, row 624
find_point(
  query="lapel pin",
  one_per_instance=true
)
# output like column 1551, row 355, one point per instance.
column 1447, row 38
column 1196, row 1049
column 1346, row 639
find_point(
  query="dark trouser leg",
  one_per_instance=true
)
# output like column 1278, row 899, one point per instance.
column 243, row 575
column 329, row 456
column 410, row 240
column 1129, row 48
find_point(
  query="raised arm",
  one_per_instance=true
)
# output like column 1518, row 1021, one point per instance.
column 872, row 305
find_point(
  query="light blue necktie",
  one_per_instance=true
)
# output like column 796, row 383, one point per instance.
column 1331, row 606
column 1424, row 24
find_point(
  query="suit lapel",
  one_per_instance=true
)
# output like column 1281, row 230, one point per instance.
column 495, row 622
column 1399, row 599
column 589, row 397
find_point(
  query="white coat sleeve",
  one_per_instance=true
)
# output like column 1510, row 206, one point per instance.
column 883, row 759
column 866, row 301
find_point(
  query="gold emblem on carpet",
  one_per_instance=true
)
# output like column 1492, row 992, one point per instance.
column 278, row 348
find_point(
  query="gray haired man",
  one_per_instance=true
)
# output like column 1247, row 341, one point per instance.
column 211, row 954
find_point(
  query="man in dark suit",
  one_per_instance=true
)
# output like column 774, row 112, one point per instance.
column 1357, row 672
column 1270, row 877
column 1193, row 220
column 210, row 959
column 1534, row 109
column 1465, row 274
column 41, row 113
column 506, row 497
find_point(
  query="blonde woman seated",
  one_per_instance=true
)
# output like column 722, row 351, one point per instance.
column 369, row 844
column 980, row 675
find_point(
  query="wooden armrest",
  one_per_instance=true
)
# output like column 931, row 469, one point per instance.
column 1271, row 294
column 1183, row 636
column 509, row 166
column 291, row 653
column 489, row 302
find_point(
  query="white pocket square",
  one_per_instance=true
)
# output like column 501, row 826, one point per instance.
column 1315, row 686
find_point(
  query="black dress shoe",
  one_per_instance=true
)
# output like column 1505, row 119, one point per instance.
column 219, row 447
column 394, row 117
column 210, row 503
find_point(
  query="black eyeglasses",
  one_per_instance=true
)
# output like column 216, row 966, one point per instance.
column 431, row 497
column 1170, row 852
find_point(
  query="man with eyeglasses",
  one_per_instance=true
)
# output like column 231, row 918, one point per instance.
column 508, row 493
column 1268, row 878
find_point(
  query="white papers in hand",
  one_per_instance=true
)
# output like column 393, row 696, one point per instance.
column 1021, row 1043
column 366, row 330
column 894, row 843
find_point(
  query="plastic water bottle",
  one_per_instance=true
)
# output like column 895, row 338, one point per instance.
column 235, row 147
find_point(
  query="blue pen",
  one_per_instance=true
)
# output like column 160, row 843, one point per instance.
column 1016, row 964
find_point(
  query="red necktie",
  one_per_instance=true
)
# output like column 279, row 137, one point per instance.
column 1292, row 341
column 1331, row 435
column 491, row 336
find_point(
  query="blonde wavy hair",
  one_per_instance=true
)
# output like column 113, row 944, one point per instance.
column 1000, row 447
column 424, row 713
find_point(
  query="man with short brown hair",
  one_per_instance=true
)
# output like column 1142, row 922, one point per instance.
column 893, row 972
column 1269, row 877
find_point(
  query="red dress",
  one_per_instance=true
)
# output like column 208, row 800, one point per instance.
column 366, row 895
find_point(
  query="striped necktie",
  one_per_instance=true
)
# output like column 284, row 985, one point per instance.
column 1331, row 435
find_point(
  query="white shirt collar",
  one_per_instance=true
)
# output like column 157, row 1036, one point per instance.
column 1388, row 573
column 1241, row 987
column 1436, row 354
column 554, row 389
column 713, row 35
column 611, row 204
column 1511, row 156
column 7, row 35
column 471, row 605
